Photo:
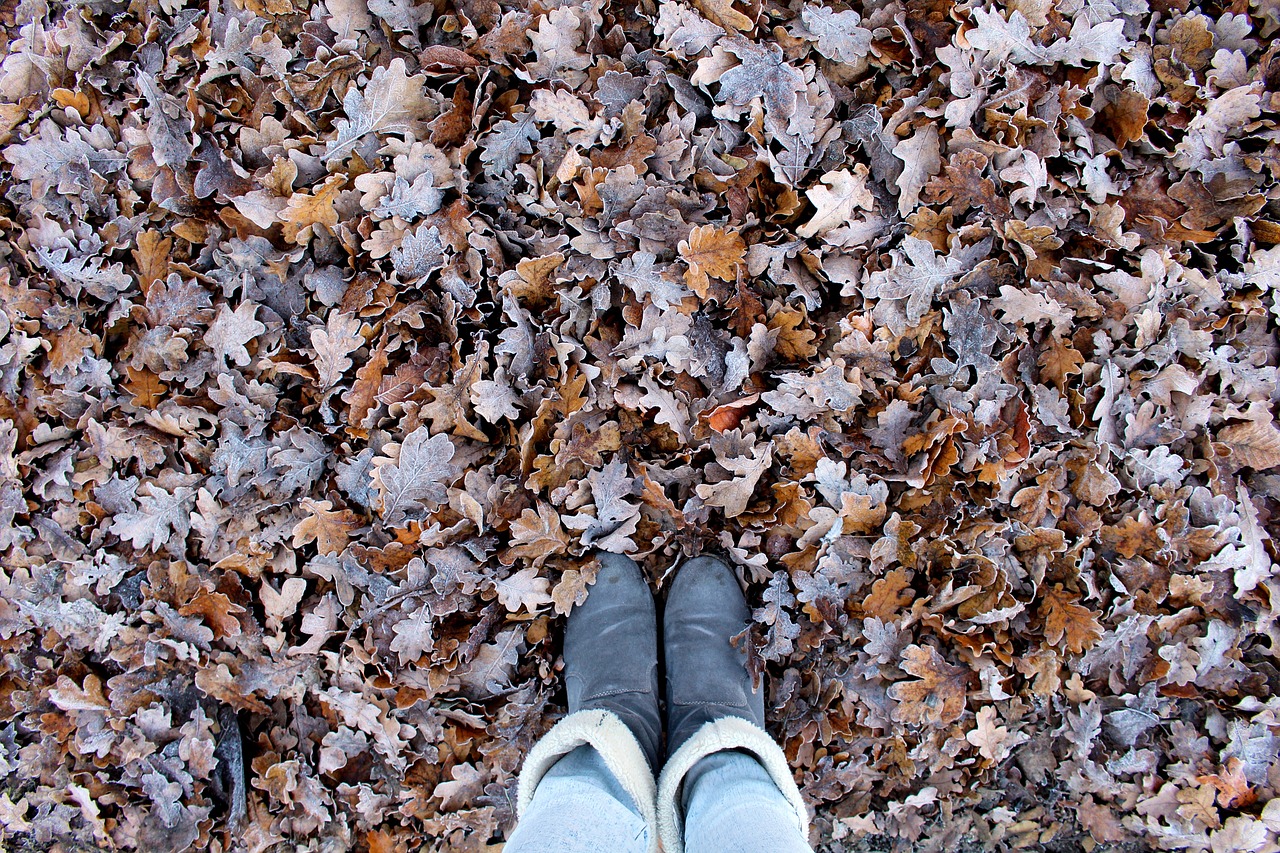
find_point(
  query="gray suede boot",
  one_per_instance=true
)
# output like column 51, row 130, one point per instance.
column 707, row 675
column 611, row 652
column 711, row 707
column 611, row 674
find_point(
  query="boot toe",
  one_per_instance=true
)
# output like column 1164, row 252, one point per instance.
column 619, row 585
column 708, row 582
column 707, row 675
column 620, row 575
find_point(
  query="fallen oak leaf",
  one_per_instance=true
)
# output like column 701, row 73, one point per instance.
column 523, row 590
column 1248, row 555
column 615, row 518
column 145, row 387
column 888, row 596
column 419, row 253
column 307, row 210
column 994, row 742
column 1059, row 361
column 1254, row 444
column 333, row 343
column 1234, row 791
column 363, row 396
column 572, row 588
column 390, row 103
column 588, row 446
column 411, row 477
column 732, row 494
column 839, row 34
column 795, row 341
column 763, row 72
column 279, row 606
column 265, row 676
column 710, row 251
column 536, row 535
column 1066, row 623
column 413, row 636
column 646, row 279
column 161, row 517
column 727, row 416
column 439, row 58
column 330, row 529
column 494, row 399
column 465, row 785
column 451, row 404
column 70, row 696
column 231, row 331
column 921, row 159
column 835, row 199
column 722, row 12
column 218, row 612
column 937, row 699
column 489, row 672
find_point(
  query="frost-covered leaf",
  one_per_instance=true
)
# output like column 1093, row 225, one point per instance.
column 763, row 73
column 840, row 35
column 413, row 476
column 413, row 636
column 419, row 254
column 843, row 192
column 615, row 518
column 390, row 103
column 162, row 517
column 335, row 346
column 646, row 279
column 523, row 590
column 231, row 332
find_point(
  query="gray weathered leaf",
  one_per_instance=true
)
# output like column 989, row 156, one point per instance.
column 412, row 478
column 390, row 103
column 419, row 254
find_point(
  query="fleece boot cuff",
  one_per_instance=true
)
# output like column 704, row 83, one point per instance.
column 715, row 736
column 608, row 735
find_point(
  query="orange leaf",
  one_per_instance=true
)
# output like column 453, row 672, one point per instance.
column 938, row 698
column 1064, row 619
column 305, row 211
column 146, row 388
column 218, row 612
column 722, row 12
column 888, row 595
column 729, row 415
column 328, row 528
column 711, row 252
column 1233, row 789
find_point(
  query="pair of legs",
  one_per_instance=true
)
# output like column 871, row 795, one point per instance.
column 722, row 785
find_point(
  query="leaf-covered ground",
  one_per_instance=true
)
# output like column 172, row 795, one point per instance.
column 335, row 336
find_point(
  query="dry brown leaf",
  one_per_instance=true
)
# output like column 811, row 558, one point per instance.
column 723, row 13
column 888, row 596
column 536, row 535
column 330, row 529
column 306, row 210
column 711, row 251
column 1066, row 623
column 937, row 698
column 1253, row 443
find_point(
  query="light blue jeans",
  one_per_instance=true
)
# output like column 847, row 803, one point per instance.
column 730, row 806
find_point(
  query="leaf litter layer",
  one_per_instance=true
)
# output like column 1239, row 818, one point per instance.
column 337, row 336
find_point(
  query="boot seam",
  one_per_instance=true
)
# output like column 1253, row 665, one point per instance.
column 602, row 694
